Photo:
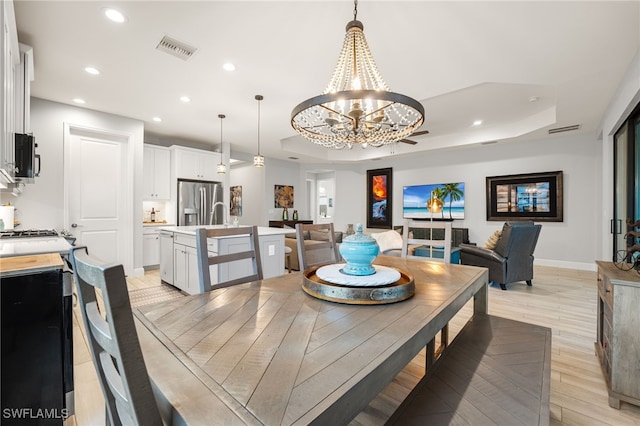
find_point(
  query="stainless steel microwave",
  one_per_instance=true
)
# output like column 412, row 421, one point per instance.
column 26, row 157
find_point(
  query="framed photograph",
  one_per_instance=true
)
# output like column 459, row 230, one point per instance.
column 236, row 200
column 379, row 198
column 283, row 196
column 534, row 196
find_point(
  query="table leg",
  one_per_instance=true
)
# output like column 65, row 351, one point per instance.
column 431, row 349
column 480, row 299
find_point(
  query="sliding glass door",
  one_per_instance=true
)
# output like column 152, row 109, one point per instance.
column 626, row 202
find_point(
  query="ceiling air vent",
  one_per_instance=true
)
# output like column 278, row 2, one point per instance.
column 176, row 48
column 564, row 129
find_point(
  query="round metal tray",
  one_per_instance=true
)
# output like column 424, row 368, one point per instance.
column 402, row 289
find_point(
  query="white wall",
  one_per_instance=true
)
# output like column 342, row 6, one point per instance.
column 278, row 172
column 252, row 181
column 41, row 205
column 571, row 243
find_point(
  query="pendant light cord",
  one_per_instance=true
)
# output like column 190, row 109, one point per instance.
column 221, row 116
column 259, row 98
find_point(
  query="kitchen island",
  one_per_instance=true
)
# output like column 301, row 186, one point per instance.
column 178, row 260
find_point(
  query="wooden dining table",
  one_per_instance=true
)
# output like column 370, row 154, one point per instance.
column 267, row 353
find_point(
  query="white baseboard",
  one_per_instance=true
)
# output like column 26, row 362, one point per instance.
column 565, row 264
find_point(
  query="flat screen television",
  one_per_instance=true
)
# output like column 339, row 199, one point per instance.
column 416, row 197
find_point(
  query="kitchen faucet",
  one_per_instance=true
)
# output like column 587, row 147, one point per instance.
column 225, row 213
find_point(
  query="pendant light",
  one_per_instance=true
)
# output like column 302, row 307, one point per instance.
column 222, row 168
column 357, row 107
column 258, row 160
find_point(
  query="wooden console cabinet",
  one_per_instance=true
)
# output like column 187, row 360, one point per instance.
column 289, row 223
column 618, row 344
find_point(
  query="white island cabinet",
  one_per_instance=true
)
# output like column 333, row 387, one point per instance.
column 184, row 263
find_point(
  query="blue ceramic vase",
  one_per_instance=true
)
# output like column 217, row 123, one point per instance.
column 359, row 251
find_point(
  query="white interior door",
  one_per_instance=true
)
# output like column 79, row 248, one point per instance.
column 97, row 178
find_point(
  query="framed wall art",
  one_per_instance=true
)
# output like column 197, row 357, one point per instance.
column 379, row 198
column 236, row 200
column 283, row 196
column 533, row 196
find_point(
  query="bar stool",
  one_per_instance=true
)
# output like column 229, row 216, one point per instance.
column 287, row 257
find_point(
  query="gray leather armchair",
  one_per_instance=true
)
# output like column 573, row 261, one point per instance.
column 512, row 258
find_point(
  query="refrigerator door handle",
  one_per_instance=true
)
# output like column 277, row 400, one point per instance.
column 201, row 216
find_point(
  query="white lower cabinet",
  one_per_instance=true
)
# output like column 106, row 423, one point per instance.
column 150, row 247
column 185, row 273
column 185, row 263
column 166, row 257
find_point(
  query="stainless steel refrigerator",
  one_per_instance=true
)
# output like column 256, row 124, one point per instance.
column 200, row 203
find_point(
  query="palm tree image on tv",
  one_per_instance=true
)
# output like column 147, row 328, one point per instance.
column 416, row 198
column 453, row 191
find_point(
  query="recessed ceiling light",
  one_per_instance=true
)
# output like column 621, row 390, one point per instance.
column 477, row 122
column 534, row 99
column 229, row 66
column 79, row 101
column 92, row 70
column 157, row 119
column 114, row 15
column 185, row 99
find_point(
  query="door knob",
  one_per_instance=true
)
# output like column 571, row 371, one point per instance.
column 74, row 225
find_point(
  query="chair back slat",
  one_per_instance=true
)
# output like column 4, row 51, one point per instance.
column 113, row 341
column 251, row 253
column 320, row 252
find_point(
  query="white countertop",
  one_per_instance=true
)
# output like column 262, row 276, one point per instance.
column 33, row 245
column 191, row 230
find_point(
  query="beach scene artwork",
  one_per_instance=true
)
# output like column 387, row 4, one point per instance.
column 416, row 197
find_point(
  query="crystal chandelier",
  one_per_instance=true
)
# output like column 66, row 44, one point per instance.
column 357, row 107
column 222, row 168
column 258, row 160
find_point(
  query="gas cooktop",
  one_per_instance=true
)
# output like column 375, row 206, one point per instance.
column 26, row 233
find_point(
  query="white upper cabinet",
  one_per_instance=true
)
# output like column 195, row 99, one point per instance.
column 9, row 61
column 195, row 164
column 156, row 173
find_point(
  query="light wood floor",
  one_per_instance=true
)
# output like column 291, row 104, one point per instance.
column 561, row 299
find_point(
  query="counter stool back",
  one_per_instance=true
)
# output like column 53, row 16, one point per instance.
column 113, row 341
column 430, row 242
column 204, row 260
column 320, row 252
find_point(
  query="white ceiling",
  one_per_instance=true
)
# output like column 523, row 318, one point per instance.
column 463, row 60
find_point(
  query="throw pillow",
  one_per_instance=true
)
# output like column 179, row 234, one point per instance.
column 493, row 240
column 319, row 235
column 324, row 236
column 388, row 240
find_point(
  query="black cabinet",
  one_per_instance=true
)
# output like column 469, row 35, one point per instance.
column 37, row 351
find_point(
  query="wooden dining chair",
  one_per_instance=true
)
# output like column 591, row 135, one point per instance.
column 113, row 341
column 243, row 265
column 319, row 249
column 429, row 245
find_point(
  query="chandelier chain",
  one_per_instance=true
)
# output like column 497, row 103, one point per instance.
column 355, row 10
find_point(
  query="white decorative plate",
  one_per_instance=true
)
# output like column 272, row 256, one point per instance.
column 383, row 276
